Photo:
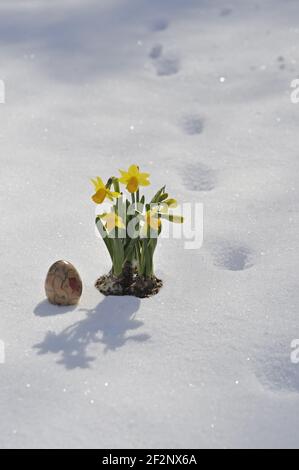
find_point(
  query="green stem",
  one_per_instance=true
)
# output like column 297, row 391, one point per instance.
column 118, row 257
column 116, row 185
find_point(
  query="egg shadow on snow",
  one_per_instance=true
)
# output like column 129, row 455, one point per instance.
column 107, row 324
column 46, row 309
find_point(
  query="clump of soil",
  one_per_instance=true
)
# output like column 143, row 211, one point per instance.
column 129, row 283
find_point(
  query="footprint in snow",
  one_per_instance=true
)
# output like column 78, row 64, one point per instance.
column 275, row 370
column 225, row 11
column 199, row 177
column 160, row 24
column 166, row 65
column 192, row 125
column 281, row 62
column 156, row 51
column 232, row 256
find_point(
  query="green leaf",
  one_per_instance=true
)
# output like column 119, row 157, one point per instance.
column 129, row 249
column 118, row 256
column 157, row 195
column 109, row 183
column 116, row 184
column 177, row 219
column 163, row 197
column 105, row 237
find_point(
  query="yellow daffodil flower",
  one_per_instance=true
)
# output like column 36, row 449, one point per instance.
column 112, row 221
column 133, row 178
column 101, row 192
column 163, row 207
column 151, row 221
column 163, row 210
column 171, row 203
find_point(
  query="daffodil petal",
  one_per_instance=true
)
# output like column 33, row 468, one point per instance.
column 133, row 170
column 119, row 222
column 152, row 220
column 99, row 196
column 115, row 194
column 94, row 182
column 163, row 208
column 132, row 185
column 155, row 209
column 155, row 224
column 109, row 225
column 124, row 179
column 100, row 183
column 171, row 203
column 143, row 181
column 102, row 216
column 123, row 173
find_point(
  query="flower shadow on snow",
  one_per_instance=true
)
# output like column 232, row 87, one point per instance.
column 107, row 324
column 45, row 309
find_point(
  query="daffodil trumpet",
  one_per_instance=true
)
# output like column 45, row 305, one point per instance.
column 130, row 229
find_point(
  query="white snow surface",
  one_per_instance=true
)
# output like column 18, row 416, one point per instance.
column 197, row 92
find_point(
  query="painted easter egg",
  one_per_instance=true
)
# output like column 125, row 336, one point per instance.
column 63, row 284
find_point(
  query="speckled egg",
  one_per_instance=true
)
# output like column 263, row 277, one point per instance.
column 63, row 284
